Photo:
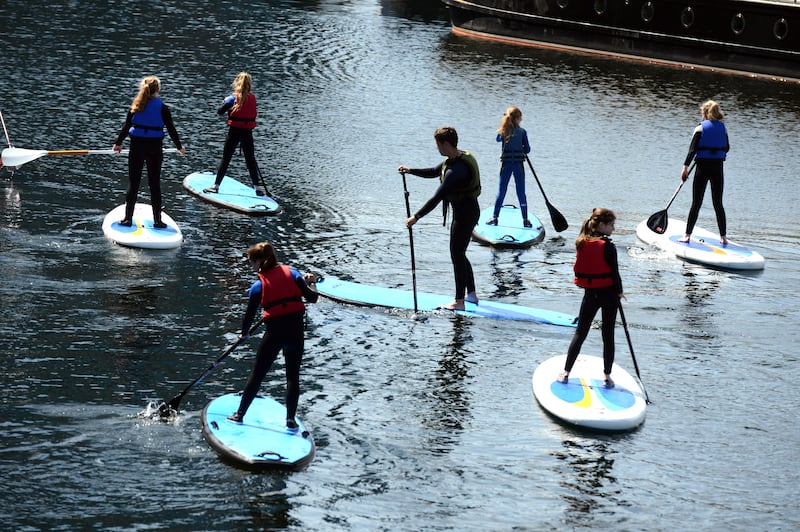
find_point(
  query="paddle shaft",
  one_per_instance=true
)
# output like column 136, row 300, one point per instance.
column 19, row 156
column 411, row 242
column 558, row 220
column 678, row 189
column 630, row 346
column 175, row 401
column 3, row 120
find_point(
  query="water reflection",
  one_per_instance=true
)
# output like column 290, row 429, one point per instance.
column 507, row 273
column 586, row 478
column 701, row 285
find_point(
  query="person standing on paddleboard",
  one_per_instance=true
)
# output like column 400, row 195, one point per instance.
column 515, row 147
column 709, row 148
column 280, row 291
column 597, row 272
column 460, row 187
column 145, row 123
column 242, row 112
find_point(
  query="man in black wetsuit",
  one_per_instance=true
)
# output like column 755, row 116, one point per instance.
column 460, row 187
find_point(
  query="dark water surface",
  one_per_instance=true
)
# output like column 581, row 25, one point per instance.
column 421, row 424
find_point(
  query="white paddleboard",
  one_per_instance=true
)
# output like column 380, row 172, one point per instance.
column 141, row 233
column 262, row 440
column 584, row 401
column 704, row 247
column 509, row 231
column 232, row 194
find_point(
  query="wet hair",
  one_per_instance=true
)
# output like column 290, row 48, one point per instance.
column 242, row 86
column 264, row 254
column 711, row 110
column 148, row 89
column 446, row 134
column 509, row 122
column 589, row 228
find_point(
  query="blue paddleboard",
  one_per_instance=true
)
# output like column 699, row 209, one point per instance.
column 703, row 248
column 232, row 194
column 262, row 439
column 584, row 401
column 141, row 233
column 376, row 296
column 509, row 231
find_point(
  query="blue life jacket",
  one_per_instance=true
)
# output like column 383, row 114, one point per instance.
column 148, row 123
column 713, row 142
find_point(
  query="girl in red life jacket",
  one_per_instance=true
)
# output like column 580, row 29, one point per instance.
column 597, row 272
column 242, row 113
column 280, row 291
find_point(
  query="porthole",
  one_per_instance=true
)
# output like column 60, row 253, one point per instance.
column 648, row 11
column 687, row 17
column 737, row 24
column 600, row 6
column 563, row 3
column 781, row 29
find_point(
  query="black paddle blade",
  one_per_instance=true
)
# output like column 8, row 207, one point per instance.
column 658, row 222
column 166, row 410
column 559, row 222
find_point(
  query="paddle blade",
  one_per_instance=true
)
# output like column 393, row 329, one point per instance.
column 658, row 222
column 559, row 222
column 19, row 156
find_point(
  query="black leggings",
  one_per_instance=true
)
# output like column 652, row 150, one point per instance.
column 708, row 171
column 286, row 333
column 144, row 151
column 237, row 136
column 593, row 300
column 460, row 235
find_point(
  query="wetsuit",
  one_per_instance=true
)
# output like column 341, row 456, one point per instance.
column 146, row 148
column 512, row 157
column 709, row 147
column 240, row 133
column 594, row 299
column 284, row 332
column 459, row 189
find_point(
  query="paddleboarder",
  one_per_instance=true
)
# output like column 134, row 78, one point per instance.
column 145, row 123
column 597, row 272
column 280, row 291
column 242, row 112
column 460, row 186
column 514, row 148
column 709, row 148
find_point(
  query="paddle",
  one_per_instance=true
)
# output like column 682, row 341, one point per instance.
column 172, row 406
column 19, row 156
column 559, row 222
column 658, row 220
column 630, row 346
column 263, row 184
column 411, row 242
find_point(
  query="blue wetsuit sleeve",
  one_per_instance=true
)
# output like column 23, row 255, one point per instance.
column 308, row 294
column 526, row 146
column 227, row 104
column 253, row 302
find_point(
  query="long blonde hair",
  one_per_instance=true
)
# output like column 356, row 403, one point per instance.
column 711, row 110
column 264, row 254
column 242, row 86
column 148, row 89
column 589, row 228
column 509, row 121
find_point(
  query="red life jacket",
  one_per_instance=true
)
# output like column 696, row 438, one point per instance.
column 280, row 295
column 245, row 116
column 591, row 268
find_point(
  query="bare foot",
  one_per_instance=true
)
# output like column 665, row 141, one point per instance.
column 685, row 239
column 457, row 304
column 472, row 297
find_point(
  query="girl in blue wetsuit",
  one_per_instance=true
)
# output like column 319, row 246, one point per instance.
column 280, row 291
column 460, row 187
column 515, row 148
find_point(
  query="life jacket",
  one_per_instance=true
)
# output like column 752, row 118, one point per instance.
column 591, row 268
column 280, row 295
column 148, row 123
column 513, row 149
column 472, row 188
column 713, row 141
column 245, row 116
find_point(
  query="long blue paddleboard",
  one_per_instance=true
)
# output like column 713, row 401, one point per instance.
column 262, row 439
column 509, row 231
column 232, row 194
column 584, row 401
column 141, row 233
column 703, row 248
column 376, row 296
